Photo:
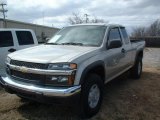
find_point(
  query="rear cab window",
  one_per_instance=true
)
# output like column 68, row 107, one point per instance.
column 24, row 37
column 6, row 39
column 125, row 35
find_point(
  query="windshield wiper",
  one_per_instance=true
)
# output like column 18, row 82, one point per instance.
column 69, row 43
column 52, row 44
column 72, row 43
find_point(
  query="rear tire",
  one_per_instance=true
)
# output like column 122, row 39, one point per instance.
column 91, row 96
column 136, row 71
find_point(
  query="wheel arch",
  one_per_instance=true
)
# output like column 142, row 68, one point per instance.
column 97, row 67
column 139, row 54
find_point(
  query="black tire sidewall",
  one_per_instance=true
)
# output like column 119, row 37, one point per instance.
column 134, row 71
column 140, row 61
column 85, row 108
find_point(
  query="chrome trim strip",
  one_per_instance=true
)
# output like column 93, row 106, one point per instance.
column 46, row 91
column 41, row 71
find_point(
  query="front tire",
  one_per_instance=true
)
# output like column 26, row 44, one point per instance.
column 136, row 71
column 91, row 95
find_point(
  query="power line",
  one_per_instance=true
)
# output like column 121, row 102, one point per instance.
column 4, row 11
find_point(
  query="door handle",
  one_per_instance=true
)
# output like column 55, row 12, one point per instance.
column 123, row 50
column 12, row 50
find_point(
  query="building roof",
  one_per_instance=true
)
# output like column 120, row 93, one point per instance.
column 28, row 23
column 14, row 29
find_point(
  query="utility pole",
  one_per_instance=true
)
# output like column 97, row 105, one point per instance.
column 3, row 12
column 43, row 17
column 86, row 15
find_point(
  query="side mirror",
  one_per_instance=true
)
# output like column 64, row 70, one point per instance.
column 115, row 44
column 47, row 39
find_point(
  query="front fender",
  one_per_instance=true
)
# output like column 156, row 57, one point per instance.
column 89, row 68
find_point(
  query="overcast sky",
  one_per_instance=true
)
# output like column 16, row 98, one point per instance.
column 130, row 13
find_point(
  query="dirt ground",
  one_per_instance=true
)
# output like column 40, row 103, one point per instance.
column 124, row 99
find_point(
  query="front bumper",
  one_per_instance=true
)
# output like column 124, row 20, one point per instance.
column 9, row 83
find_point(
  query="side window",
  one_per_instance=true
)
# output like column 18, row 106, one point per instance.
column 114, row 39
column 6, row 39
column 114, row 34
column 24, row 37
column 125, row 36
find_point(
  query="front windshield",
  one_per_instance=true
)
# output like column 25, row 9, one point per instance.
column 89, row 35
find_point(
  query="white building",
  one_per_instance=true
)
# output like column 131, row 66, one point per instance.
column 41, row 31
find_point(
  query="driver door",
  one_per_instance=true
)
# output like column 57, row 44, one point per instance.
column 114, row 55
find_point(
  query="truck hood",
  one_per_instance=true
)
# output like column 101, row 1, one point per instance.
column 51, row 53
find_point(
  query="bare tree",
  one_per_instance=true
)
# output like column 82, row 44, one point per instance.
column 77, row 18
column 139, row 32
column 97, row 20
column 154, row 29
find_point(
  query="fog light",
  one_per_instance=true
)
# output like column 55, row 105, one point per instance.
column 54, row 78
column 59, row 78
column 63, row 79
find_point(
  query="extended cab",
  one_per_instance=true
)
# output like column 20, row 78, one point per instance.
column 74, row 65
column 12, row 40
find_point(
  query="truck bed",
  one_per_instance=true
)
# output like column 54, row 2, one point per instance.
column 136, row 40
column 138, row 44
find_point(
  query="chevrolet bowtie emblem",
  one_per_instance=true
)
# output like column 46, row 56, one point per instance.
column 23, row 69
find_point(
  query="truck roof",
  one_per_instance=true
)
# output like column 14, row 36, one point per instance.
column 99, row 24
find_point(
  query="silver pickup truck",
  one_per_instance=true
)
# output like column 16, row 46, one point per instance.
column 73, row 66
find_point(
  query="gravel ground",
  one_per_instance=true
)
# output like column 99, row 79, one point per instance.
column 124, row 99
column 152, row 57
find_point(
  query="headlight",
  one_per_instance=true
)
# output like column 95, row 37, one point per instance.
column 62, row 80
column 8, row 60
column 62, row 66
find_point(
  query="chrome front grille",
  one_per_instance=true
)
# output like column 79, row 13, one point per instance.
column 28, row 77
column 29, row 64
